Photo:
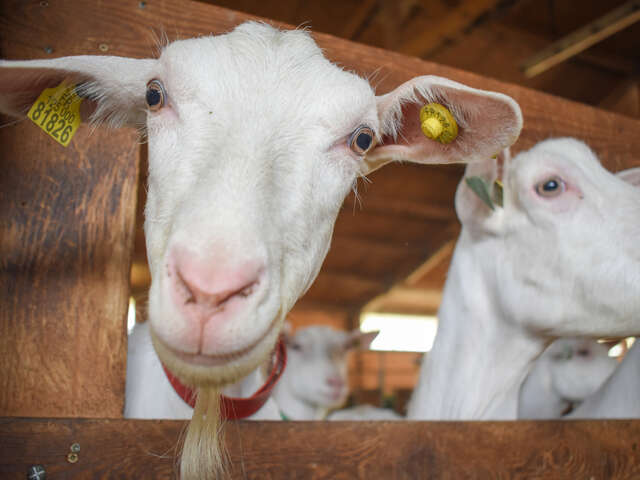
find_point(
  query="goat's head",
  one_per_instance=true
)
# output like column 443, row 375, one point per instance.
column 254, row 139
column 317, row 372
column 561, row 254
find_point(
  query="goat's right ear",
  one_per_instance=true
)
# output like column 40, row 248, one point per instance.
column 115, row 87
column 631, row 175
column 487, row 122
column 360, row 340
column 478, row 203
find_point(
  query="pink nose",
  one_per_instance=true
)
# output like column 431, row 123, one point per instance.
column 205, row 287
column 335, row 382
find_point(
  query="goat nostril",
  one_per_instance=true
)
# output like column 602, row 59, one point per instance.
column 196, row 295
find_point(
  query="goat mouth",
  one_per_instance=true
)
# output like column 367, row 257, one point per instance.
column 205, row 360
column 199, row 370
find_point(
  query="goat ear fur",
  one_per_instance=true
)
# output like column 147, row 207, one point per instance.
column 487, row 122
column 360, row 340
column 115, row 87
column 631, row 175
column 472, row 211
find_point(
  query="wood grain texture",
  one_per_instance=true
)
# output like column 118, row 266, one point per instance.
column 333, row 450
column 66, row 232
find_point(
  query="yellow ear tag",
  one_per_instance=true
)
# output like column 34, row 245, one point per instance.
column 437, row 123
column 57, row 112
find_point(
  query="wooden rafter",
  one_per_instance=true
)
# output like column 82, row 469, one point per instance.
column 583, row 38
column 448, row 27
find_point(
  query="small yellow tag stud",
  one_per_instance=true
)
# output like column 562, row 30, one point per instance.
column 437, row 123
column 57, row 112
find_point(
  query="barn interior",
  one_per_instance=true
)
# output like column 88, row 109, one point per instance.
column 392, row 242
column 73, row 249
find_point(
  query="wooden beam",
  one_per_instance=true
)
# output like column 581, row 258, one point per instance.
column 443, row 253
column 406, row 300
column 447, row 28
column 354, row 23
column 330, row 450
column 583, row 38
column 624, row 99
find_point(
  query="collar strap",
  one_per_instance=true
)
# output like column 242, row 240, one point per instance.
column 236, row 408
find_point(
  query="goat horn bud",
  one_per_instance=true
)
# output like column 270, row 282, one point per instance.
column 437, row 123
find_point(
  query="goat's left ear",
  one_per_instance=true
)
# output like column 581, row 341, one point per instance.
column 487, row 123
column 478, row 203
column 360, row 340
column 115, row 86
column 631, row 175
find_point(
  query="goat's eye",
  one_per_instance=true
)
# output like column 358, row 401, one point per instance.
column 295, row 346
column 551, row 187
column 362, row 140
column 156, row 95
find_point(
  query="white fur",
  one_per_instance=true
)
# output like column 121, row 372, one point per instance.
column 150, row 395
column 521, row 275
column 619, row 397
column 315, row 380
column 570, row 370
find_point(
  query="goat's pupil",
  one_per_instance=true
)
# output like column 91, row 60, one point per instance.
column 550, row 186
column 153, row 97
column 363, row 141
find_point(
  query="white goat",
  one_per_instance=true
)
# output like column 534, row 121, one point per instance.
column 560, row 258
column 316, row 380
column 619, row 397
column 569, row 370
column 254, row 139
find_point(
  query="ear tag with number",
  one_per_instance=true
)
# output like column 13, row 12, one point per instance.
column 480, row 188
column 57, row 112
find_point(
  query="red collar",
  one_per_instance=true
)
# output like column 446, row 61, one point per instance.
column 237, row 408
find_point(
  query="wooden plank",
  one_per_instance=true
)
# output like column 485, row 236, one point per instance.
column 448, row 27
column 624, row 99
column 583, row 38
column 66, row 223
column 125, row 29
column 66, row 233
column 333, row 450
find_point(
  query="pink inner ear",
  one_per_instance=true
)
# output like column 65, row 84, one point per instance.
column 487, row 123
column 20, row 87
column 411, row 144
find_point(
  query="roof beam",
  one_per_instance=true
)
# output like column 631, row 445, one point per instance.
column 583, row 38
column 447, row 28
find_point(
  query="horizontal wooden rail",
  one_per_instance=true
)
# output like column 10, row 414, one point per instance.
column 332, row 450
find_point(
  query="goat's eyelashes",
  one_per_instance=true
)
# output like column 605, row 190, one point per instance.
column 155, row 96
column 362, row 140
column 551, row 187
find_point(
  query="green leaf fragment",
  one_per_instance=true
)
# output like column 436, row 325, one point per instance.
column 480, row 188
column 497, row 193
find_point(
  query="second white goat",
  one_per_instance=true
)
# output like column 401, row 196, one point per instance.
column 560, row 258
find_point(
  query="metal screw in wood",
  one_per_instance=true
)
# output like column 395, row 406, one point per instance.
column 36, row 472
column 75, row 448
column 72, row 457
column 103, row 47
